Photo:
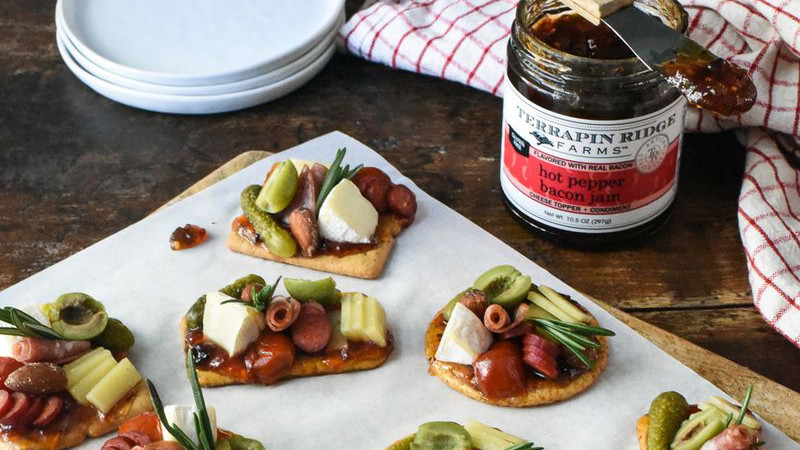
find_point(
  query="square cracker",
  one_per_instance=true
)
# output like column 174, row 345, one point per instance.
column 368, row 264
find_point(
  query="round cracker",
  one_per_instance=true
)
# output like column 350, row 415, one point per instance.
column 539, row 391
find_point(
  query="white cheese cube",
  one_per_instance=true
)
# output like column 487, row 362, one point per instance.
column 346, row 216
column 232, row 326
column 182, row 416
column 465, row 337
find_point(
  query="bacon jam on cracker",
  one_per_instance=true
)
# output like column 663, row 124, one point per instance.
column 64, row 374
column 453, row 436
column 716, row 424
column 507, row 342
column 245, row 334
column 178, row 427
column 329, row 218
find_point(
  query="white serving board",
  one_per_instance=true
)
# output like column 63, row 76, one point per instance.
column 143, row 282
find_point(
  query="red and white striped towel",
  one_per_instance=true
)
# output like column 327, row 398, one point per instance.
column 465, row 41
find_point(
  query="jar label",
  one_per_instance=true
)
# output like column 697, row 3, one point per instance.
column 589, row 176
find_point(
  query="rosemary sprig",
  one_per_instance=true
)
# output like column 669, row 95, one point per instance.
column 525, row 446
column 335, row 174
column 23, row 324
column 745, row 404
column 261, row 298
column 573, row 336
column 202, row 423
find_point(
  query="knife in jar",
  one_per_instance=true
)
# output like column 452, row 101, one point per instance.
column 706, row 80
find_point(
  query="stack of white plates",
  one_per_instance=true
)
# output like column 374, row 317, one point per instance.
column 196, row 56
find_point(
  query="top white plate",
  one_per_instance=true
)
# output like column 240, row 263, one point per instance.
column 195, row 42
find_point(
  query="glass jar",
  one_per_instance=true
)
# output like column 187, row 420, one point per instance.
column 590, row 147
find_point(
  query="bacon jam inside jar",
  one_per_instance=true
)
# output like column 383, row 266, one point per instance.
column 591, row 137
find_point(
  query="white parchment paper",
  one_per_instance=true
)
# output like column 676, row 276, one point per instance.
column 150, row 287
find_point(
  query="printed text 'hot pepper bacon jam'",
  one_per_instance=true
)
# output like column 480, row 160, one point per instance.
column 453, row 436
column 716, row 424
column 582, row 163
column 330, row 218
column 244, row 333
column 64, row 374
column 507, row 342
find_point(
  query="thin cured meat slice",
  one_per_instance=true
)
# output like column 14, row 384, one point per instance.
column 7, row 367
column 119, row 443
column 6, row 402
column 18, row 409
column 282, row 313
column 29, row 350
column 37, row 404
column 541, row 354
column 50, row 410
column 499, row 322
column 136, row 437
column 496, row 318
column 737, row 437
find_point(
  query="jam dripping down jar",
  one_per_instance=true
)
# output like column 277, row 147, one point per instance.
column 591, row 137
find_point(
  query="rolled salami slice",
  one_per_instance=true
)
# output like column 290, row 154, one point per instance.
column 496, row 318
column 500, row 322
column 282, row 313
column 29, row 350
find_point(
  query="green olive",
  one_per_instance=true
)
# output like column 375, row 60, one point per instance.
column 504, row 285
column 322, row 291
column 76, row 316
column 279, row 189
column 116, row 337
column 700, row 428
column 441, row 436
column 237, row 442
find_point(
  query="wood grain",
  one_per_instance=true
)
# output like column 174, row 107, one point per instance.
column 776, row 403
column 76, row 167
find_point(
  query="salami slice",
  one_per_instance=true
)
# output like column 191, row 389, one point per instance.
column 28, row 350
column 311, row 331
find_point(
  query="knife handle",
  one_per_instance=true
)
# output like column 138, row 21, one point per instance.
column 595, row 10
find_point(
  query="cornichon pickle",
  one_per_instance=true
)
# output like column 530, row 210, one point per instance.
column 322, row 291
column 194, row 317
column 279, row 241
column 667, row 412
column 116, row 337
column 279, row 190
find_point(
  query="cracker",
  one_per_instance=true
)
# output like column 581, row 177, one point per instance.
column 304, row 366
column 368, row 264
column 642, row 426
column 137, row 402
column 539, row 392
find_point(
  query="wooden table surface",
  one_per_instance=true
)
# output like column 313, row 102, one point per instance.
column 75, row 168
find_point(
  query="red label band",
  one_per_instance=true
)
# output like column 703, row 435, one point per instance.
column 591, row 188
